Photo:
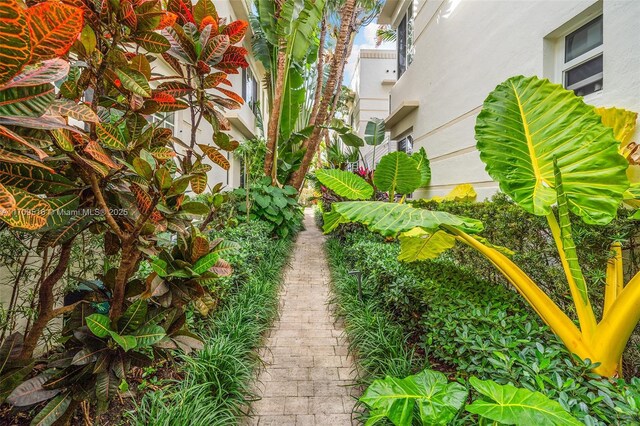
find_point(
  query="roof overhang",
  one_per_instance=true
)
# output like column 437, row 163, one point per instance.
column 400, row 112
column 386, row 13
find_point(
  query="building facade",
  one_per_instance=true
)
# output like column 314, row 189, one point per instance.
column 374, row 76
column 452, row 53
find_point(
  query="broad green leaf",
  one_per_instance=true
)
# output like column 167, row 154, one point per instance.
column 134, row 316
column 397, row 173
column 438, row 401
column 159, row 266
column 349, row 138
column 345, row 184
column 148, row 335
column 52, row 411
column 568, row 245
column 374, row 132
column 418, row 244
column 99, row 324
column 390, row 219
column 125, row 342
column 205, row 263
column 525, row 123
column 292, row 101
column 61, row 210
column 512, row 406
column 421, row 158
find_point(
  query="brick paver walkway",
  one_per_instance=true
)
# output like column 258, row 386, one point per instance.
column 308, row 374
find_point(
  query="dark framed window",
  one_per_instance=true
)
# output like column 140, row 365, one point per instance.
column 583, row 68
column 406, row 144
column 250, row 89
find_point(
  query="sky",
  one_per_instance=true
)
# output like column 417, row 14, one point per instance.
column 365, row 39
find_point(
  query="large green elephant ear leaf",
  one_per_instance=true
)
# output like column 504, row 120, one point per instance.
column 438, row 401
column 345, row 184
column 374, row 132
column 513, row 406
column 390, row 219
column 419, row 244
column 397, row 173
column 525, row 123
column 421, row 158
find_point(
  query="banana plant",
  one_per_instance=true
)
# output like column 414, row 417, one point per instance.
column 438, row 401
column 545, row 147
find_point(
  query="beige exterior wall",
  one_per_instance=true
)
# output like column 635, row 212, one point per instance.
column 464, row 48
column 374, row 76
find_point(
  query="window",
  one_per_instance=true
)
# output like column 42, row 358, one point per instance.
column 165, row 119
column 406, row 144
column 582, row 70
column 250, row 90
column 405, row 41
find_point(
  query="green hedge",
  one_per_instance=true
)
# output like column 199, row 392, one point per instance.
column 218, row 379
column 464, row 325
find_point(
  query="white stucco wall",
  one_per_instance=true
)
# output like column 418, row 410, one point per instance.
column 374, row 76
column 464, row 48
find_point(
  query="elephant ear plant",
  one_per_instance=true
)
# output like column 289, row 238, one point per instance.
column 552, row 154
column 87, row 157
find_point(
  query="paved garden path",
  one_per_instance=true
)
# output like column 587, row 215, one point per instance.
column 307, row 377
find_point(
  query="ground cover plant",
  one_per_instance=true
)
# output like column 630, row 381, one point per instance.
column 539, row 163
column 436, row 315
column 217, row 381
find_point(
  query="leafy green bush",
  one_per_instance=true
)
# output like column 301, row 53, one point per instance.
column 276, row 206
column 218, row 381
column 464, row 325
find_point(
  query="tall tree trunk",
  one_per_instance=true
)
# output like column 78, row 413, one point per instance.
column 311, row 145
column 46, row 301
column 270, row 161
column 320, row 77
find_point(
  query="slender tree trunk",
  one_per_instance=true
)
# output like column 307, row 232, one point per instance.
column 270, row 161
column 130, row 256
column 337, row 64
column 46, row 301
column 320, row 76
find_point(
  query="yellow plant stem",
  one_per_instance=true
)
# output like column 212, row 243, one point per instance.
column 550, row 313
column 618, row 323
column 615, row 279
column 586, row 317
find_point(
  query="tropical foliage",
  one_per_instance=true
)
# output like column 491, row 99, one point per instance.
column 88, row 158
column 539, row 163
column 438, row 402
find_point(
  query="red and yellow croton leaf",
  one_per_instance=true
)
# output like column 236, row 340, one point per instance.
column 215, row 48
column 30, row 212
column 216, row 156
column 111, row 136
column 231, row 62
column 97, row 153
column 10, row 157
column 209, row 20
column 182, row 9
column 17, row 138
column 14, row 39
column 198, row 183
column 236, row 31
column 199, row 248
column 53, row 28
column 167, row 20
column 213, row 80
column 175, row 89
column 231, row 94
column 48, row 71
column 8, row 203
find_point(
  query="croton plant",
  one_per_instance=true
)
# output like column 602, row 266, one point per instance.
column 79, row 83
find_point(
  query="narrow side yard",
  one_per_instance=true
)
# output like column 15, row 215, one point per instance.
column 308, row 376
